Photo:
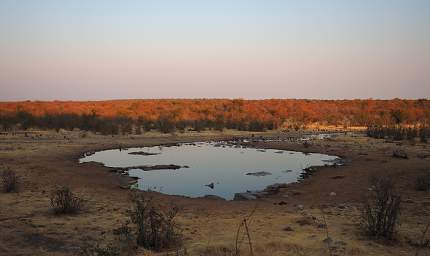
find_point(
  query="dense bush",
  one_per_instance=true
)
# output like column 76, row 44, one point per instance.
column 381, row 209
column 10, row 181
column 156, row 228
column 399, row 132
column 63, row 201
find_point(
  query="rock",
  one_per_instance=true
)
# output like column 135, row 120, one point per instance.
column 337, row 177
column 210, row 185
column 340, row 243
column 328, row 240
column 282, row 203
column 320, row 225
column 300, row 207
column 400, row 153
column 259, row 174
column 422, row 155
column 342, row 206
column 153, row 167
column 332, row 194
column 244, row 196
column 288, row 229
column 304, row 221
column 142, row 153
column 213, row 197
column 272, row 190
column 296, row 193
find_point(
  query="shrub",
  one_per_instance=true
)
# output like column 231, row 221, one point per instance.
column 422, row 182
column 123, row 244
column 156, row 229
column 381, row 210
column 10, row 181
column 63, row 201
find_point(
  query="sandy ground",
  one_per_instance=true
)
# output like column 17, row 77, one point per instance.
column 28, row 227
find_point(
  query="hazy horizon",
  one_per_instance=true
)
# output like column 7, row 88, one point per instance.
column 303, row 49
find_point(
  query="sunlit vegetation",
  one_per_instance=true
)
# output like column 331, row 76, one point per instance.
column 139, row 116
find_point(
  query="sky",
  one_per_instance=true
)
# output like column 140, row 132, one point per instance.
column 254, row 49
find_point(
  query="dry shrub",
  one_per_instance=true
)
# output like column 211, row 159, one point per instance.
column 63, row 201
column 381, row 209
column 10, row 181
column 156, row 228
column 122, row 245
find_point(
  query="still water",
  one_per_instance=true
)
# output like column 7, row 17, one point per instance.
column 210, row 168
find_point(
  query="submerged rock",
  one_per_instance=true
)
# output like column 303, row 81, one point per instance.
column 259, row 174
column 153, row 167
column 143, row 153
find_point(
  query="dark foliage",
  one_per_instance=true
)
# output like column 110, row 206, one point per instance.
column 10, row 181
column 422, row 182
column 399, row 132
column 63, row 201
column 156, row 228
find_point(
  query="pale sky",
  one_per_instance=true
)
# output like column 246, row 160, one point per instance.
column 326, row 49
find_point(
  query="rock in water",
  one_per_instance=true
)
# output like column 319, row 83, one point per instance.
column 210, row 185
column 142, row 153
column 259, row 174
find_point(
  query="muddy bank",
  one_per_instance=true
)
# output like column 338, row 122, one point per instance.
column 280, row 220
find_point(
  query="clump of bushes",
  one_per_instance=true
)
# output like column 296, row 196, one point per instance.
column 422, row 182
column 123, row 244
column 156, row 227
column 398, row 132
column 63, row 201
column 10, row 181
column 381, row 209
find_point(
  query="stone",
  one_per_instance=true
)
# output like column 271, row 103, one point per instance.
column 320, row 225
column 400, row 153
column 259, row 174
column 213, row 197
column 288, row 229
column 304, row 221
column 244, row 196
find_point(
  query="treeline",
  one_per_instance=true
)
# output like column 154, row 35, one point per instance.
column 398, row 132
column 23, row 120
column 281, row 111
column 136, row 116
